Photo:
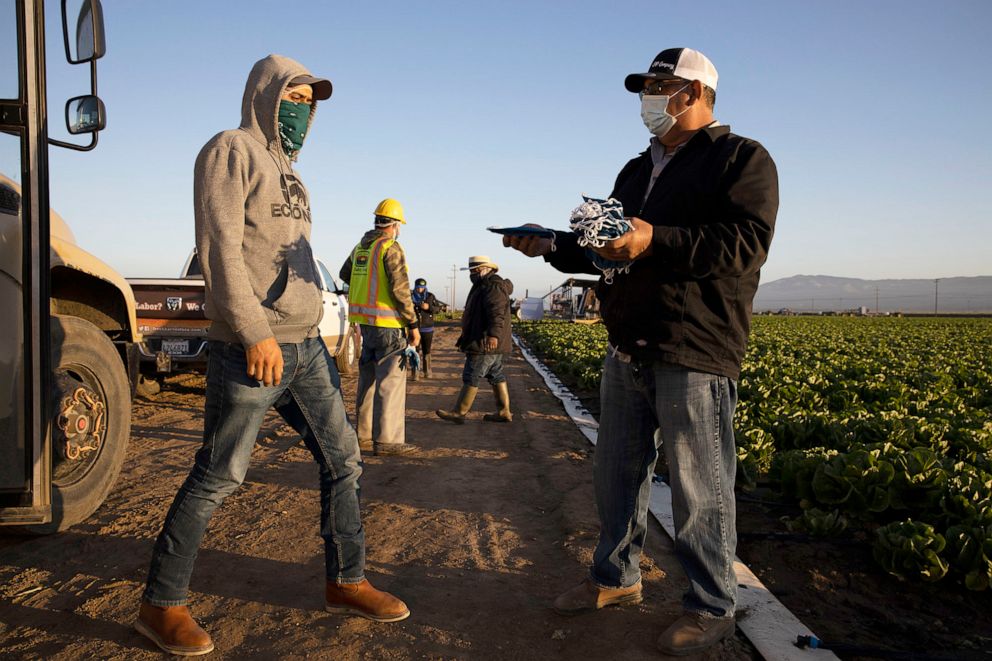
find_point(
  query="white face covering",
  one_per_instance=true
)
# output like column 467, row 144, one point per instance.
column 396, row 236
column 654, row 112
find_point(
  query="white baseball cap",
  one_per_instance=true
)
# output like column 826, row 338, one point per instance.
column 684, row 63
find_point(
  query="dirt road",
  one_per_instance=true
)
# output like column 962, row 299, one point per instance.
column 477, row 531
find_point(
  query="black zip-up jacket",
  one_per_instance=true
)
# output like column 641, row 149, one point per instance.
column 487, row 314
column 426, row 317
column 713, row 209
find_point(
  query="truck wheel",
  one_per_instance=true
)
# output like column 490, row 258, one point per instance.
column 91, row 420
column 347, row 359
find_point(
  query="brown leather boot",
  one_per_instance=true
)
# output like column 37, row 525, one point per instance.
column 694, row 632
column 587, row 596
column 173, row 629
column 465, row 399
column 364, row 600
column 501, row 392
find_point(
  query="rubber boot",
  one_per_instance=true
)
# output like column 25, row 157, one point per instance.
column 427, row 367
column 462, row 406
column 502, row 393
column 415, row 371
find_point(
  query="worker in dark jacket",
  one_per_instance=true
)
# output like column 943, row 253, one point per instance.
column 426, row 305
column 702, row 203
column 484, row 340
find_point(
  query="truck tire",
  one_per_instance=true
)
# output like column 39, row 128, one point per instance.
column 347, row 358
column 89, row 380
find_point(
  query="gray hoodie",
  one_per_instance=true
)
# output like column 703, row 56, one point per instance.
column 253, row 222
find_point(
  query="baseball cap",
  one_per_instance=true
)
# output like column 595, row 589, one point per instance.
column 420, row 282
column 322, row 87
column 683, row 63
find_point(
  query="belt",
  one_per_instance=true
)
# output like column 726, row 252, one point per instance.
column 616, row 353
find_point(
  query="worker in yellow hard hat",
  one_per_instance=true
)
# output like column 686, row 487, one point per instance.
column 379, row 300
column 390, row 210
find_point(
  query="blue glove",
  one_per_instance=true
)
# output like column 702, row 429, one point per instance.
column 411, row 358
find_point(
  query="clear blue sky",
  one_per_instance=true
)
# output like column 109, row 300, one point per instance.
column 478, row 114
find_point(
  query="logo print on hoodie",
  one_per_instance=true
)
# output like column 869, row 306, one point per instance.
column 296, row 203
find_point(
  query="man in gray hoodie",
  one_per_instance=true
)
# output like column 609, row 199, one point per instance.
column 253, row 237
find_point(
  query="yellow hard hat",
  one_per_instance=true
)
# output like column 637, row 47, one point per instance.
column 390, row 208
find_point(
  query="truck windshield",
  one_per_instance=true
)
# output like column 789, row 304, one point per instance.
column 194, row 271
column 329, row 282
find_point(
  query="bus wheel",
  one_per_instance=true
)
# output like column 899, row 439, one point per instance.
column 91, row 420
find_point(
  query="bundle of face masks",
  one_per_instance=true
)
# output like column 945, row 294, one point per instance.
column 596, row 222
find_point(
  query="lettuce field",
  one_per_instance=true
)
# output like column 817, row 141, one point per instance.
column 875, row 424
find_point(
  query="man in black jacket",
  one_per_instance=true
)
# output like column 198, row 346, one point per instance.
column 485, row 338
column 702, row 202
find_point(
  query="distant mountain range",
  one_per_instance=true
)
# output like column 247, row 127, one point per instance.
column 821, row 293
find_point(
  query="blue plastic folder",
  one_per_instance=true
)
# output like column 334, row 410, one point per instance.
column 524, row 231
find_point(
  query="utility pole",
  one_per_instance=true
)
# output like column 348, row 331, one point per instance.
column 936, row 289
column 876, row 300
column 454, row 291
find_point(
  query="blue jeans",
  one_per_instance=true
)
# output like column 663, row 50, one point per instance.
column 483, row 365
column 690, row 414
column 309, row 400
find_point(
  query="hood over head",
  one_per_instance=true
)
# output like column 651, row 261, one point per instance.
column 260, row 105
column 370, row 237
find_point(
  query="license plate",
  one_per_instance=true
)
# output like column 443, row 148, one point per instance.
column 175, row 347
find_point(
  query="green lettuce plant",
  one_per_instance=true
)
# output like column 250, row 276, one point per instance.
column 969, row 551
column 910, row 550
column 857, row 481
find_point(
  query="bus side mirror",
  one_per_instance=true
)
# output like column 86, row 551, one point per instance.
column 85, row 114
column 90, row 43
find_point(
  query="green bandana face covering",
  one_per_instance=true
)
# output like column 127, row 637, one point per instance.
column 293, row 120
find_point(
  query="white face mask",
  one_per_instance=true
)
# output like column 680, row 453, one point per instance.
column 654, row 112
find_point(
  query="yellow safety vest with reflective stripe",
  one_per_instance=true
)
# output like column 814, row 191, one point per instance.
column 370, row 298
